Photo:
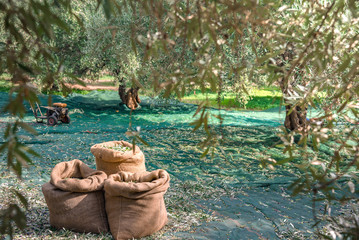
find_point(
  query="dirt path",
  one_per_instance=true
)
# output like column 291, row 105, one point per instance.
column 100, row 84
column 92, row 87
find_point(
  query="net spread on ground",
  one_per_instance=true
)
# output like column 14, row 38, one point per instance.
column 227, row 195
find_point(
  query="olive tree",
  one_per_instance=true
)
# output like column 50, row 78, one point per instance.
column 308, row 48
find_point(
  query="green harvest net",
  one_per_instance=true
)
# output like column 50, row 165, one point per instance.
column 224, row 196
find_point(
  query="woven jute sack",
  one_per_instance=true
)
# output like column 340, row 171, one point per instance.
column 112, row 161
column 75, row 197
column 134, row 203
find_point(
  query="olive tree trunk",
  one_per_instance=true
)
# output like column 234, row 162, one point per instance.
column 129, row 96
column 296, row 116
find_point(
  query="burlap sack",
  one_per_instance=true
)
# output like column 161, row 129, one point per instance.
column 112, row 161
column 134, row 203
column 75, row 197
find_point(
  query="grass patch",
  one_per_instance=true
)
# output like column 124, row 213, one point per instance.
column 259, row 99
column 5, row 85
column 107, row 83
column 107, row 78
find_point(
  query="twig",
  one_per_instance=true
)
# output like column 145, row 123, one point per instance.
column 314, row 34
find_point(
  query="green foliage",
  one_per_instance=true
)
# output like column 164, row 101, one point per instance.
column 13, row 214
column 134, row 135
column 17, row 158
column 68, row 44
column 176, row 46
column 26, row 27
column 16, row 151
